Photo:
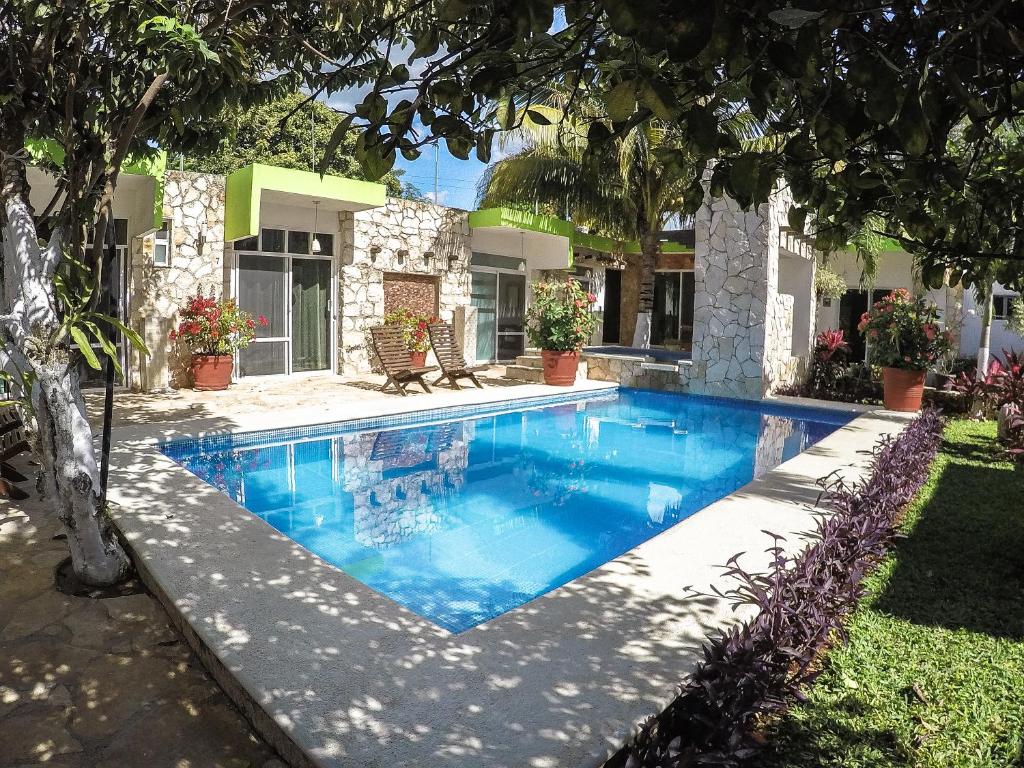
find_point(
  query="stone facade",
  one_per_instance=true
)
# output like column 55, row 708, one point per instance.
column 743, row 337
column 407, row 237
column 194, row 204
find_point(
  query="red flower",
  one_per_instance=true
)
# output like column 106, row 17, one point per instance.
column 591, row 298
column 262, row 320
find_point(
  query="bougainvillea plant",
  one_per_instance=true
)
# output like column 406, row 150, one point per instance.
column 211, row 326
column 561, row 317
column 904, row 332
column 415, row 327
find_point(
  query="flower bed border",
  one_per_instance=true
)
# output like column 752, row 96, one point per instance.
column 758, row 668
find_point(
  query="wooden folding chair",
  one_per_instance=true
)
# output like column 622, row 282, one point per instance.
column 450, row 357
column 390, row 346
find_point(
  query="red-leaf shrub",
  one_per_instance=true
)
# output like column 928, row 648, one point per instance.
column 757, row 669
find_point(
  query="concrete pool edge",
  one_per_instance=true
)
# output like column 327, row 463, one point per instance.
column 214, row 607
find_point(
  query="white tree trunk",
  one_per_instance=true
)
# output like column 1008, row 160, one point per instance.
column 645, row 309
column 30, row 319
column 985, row 344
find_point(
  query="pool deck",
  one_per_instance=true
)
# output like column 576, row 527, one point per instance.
column 334, row 674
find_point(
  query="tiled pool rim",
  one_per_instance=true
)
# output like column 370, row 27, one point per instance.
column 616, row 698
column 422, row 417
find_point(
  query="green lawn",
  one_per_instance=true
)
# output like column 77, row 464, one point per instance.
column 944, row 617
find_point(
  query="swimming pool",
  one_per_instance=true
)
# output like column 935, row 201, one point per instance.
column 463, row 519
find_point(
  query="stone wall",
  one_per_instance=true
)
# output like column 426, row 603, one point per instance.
column 743, row 325
column 406, row 237
column 194, row 202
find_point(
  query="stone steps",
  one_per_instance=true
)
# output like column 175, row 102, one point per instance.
column 530, row 367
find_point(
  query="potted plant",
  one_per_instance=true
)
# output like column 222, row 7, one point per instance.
column 560, row 322
column 416, row 337
column 904, row 338
column 213, row 329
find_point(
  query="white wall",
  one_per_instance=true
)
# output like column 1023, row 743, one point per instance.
column 1002, row 337
column 895, row 269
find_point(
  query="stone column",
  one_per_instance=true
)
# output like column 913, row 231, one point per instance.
column 743, row 324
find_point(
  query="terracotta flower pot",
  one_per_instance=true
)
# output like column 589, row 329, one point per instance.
column 211, row 372
column 902, row 389
column 419, row 359
column 560, row 367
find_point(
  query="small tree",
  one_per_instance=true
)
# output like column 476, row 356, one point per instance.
column 100, row 82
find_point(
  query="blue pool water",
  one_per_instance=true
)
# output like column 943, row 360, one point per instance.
column 463, row 520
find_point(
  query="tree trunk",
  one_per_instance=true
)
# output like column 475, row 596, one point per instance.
column 985, row 343
column 649, row 248
column 30, row 335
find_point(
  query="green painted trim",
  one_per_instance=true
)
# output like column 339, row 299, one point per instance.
column 244, row 191
column 610, row 245
column 888, row 245
column 514, row 219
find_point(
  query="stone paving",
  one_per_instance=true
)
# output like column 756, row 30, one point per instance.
column 103, row 683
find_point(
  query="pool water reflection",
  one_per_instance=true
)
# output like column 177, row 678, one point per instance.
column 464, row 520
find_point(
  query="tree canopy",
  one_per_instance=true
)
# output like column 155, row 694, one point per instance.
column 868, row 93
column 286, row 132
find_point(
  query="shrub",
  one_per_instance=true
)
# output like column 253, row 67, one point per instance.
column 560, row 318
column 755, row 670
column 1001, row 385
column 211, row 326
column 904, row 332
column 1015, row 322
column 414, row 326
column 830, row 353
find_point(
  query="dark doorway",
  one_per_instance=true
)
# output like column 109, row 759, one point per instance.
column 612, row 305
column 854, row 304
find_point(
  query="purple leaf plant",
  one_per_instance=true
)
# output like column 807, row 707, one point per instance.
column 756, row 669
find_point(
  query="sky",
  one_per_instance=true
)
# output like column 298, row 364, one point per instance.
column 456, row 179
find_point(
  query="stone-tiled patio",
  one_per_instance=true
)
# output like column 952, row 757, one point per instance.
column 100, row 683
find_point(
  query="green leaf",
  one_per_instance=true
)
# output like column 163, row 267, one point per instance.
column 537, row 117
column 911, row 126
column 337, row 137
column 620, row 101
column 82, row 342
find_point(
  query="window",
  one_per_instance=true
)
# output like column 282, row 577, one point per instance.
column 272, row 241
column 162, row 244
column 1002, row 306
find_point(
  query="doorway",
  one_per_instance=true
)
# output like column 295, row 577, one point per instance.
column 852, row 305
column 294, row 293
column 672, row 318
column 612, row 306
column 500, row 301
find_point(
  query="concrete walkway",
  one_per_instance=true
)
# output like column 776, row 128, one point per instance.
column 109, row 683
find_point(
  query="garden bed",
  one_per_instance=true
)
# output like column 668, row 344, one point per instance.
column 934, row 668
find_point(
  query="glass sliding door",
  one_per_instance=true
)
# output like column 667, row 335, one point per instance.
column 311, row 315
column 511, row 315
column 665, row 318
column 484, row 296
column 500, row 301
column 672, row 318
column 263, row 290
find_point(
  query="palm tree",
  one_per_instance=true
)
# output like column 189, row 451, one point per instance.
column 629, row 186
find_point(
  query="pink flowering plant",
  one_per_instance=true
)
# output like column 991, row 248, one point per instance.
column 561, row 317
column 904, row 332
column 211, row 326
